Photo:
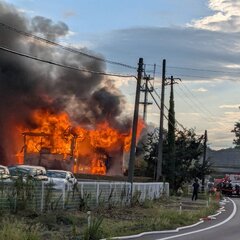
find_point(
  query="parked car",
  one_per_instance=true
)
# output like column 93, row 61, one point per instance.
column 4, row 173
column 33, row 172
column 61, row 178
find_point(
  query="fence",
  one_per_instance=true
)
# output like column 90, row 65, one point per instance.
column 41, row 196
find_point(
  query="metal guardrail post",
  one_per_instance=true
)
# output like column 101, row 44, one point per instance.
column 97, row 194
column 180, row 207
column 89, row 218
column 42, row 197
column 64, row 195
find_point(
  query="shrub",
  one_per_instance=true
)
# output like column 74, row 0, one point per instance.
column 94, row 231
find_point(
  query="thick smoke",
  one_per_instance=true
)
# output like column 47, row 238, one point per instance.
column 46, row 27
column 27, row 85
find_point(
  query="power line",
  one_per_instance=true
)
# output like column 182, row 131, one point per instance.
column 193, row 76
column 200, row 69
column 203, row 113
column 64, row 66
column 168, row 118
column 175, row 118
column 203, row 70
column 200, row 104
column 167, row 108
column 160, row 108
column 73, row 50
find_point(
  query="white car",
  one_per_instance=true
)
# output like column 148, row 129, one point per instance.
column 4, row 173
column 61, row 178
column 34, row 172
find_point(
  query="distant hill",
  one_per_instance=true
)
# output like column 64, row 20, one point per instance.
column 225, row 160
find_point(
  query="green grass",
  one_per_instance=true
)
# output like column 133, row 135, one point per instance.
column 12, row 229
column 106, row 222
column 156, row 218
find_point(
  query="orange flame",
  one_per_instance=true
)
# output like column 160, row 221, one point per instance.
column 57, row 134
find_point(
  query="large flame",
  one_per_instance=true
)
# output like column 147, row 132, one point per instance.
column 88, row 149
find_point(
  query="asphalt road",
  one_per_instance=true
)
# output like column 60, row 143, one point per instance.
column 226, row 226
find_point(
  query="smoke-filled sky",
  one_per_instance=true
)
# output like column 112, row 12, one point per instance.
column 27, row 85
column 198, row 38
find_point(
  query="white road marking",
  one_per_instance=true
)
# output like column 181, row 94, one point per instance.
column 205, row 229
column 184, row 227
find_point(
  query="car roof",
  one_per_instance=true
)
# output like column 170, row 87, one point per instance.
column 60, row 171
column 29, row 167
column 1, row 166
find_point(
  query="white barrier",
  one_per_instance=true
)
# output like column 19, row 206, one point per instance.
column 84, row 195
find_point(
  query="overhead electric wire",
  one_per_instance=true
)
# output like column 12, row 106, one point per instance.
column 200, row 104
column 203, row 114
column 160, row 108
column 192, row 99
column 167, row 108
column 73, row 50
column 175, row 119
column 199, row 69
column 202, row 70
column 211, row 115
column 184, row 75
column 64, row 66
column 192, row 76
column 208, row 118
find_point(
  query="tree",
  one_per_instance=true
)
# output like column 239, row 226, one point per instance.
column 171, row 136
column 187, row 157
column 151, row 151
column 202, row 168
column 236, row 131
column 188, row 152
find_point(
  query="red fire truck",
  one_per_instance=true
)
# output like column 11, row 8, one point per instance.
column 229, row 185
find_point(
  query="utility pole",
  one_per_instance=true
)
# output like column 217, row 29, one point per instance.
column 134, row 125
column 204, row 159
column 145, row 88
column 160, row 141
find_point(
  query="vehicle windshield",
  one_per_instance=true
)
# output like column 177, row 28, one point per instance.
column 56, row 174
column 15, row 171
column 23, row 171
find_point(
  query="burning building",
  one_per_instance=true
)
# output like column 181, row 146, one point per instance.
column 57, row 117
column 57, row 143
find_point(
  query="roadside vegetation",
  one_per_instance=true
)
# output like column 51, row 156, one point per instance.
column 105, row 222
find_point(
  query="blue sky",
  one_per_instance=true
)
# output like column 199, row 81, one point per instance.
column 193, row 34
column 92, row 16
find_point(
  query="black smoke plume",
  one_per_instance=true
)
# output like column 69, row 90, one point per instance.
column 27, row 85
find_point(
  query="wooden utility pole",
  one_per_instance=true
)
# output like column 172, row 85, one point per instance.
column 160, row 142
column 134, row 125
column 204, row 160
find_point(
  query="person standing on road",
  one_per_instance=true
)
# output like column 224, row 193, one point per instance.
column 195, row 190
